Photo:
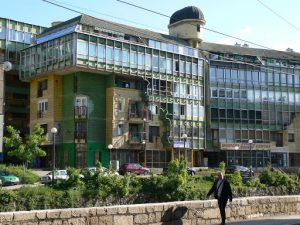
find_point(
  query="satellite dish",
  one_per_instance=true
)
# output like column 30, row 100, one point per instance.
column 7, row 66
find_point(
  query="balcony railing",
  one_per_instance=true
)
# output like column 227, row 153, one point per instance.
column 80, row 112
column 137, row 137
column 40, row 114
column 80, row 136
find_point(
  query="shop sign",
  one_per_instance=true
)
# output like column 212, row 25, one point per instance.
column 246, row 146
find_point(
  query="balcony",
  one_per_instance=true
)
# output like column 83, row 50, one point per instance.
column 40, row 93
column 80, row 136
column 80, row 112
column 40, row 114
column 136, row 137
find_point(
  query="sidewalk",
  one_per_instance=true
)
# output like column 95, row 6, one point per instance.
column 275, row 220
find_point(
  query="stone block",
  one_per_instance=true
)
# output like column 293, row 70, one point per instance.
column 158, row 216
column 24, row 216
column 53, row 214
column 101, row 211
column 41, row 214
column 186, row 222
column 57, row 222
column 211, row 213
column 105, row 219
column 122, row 209
column 94, row 220
column 158, row 207
column 77, row 221
column 111, row 210
column 141, row 219
column 123, row 220
column 80, row 212
column 65, row 214
column 46, row 222
column 6, row 217
column 136, row 209
column 92, row 211
column 152, row 217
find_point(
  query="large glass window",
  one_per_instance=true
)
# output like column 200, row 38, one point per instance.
column 291, row 98
column 227, row 76
column 182, row 66
column 2, row 32
column 194, row 69
column 133, row 59
column 283, row 79
column 162, row 64
column 148, row 62
column 27, row 38
column 169, row 66
column 12, row 34
column 82, row 49
column 101, row 53
column 276, row 79
column 92, row 52
column 141, row 60
column 220, row 75
column 125, row 57
column 155, row 63
column 214, row 92
column 297, row 81
column 234, row 76
column 188, row 67
column 118, row 57
column 270, row 78
column 109, row 55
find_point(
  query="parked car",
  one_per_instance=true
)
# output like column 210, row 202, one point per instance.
column 8, row 179
column 190, row 171
column 133, row 168
column 244, row 171
column 92, row 170
column 58, row 174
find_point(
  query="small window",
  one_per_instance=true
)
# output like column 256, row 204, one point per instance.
column 119, row 104
column 198, row 27
column 120, row 130
column 291, row 137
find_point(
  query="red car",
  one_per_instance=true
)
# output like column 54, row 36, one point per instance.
column 133, row 168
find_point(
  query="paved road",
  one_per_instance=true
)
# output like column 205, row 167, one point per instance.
column 277, row 220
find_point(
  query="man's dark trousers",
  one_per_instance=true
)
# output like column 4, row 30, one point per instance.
column 222, row 204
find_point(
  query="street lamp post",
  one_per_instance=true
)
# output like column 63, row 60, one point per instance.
column 235, row 148
column 53, row 131
column 110, row 147
column 144, row 148
column 184, row 137
column 250, row 143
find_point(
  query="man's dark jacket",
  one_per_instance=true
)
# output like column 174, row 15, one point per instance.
column 225, row 193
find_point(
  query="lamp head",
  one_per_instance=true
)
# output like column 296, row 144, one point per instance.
column 250, row 141
column 110, row 146
column 53, row 130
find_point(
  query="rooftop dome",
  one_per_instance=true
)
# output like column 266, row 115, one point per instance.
column 189, row 12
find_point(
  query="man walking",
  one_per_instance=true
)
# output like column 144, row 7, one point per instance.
column 222, row 192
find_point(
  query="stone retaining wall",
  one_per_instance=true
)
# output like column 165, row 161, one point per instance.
column 173, row 213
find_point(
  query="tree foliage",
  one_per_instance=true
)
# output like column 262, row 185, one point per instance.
column 25, row 149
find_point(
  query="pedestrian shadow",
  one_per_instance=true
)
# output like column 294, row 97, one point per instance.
column 173, row 215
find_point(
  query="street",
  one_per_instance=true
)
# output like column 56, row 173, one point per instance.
column 275, row 220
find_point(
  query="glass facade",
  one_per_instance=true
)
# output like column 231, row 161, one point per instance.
column 252, row 102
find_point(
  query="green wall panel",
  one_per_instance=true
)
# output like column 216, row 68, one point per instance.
column 94, row 87
column 71, row 155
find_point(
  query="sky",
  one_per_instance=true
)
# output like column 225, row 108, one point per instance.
column 245, row 19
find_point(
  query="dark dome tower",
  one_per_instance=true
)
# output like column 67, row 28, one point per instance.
column 187, row 23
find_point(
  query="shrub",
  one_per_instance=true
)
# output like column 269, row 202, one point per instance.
column 274, row 177
column 7, row 200
column 235, row 178
column 33, row 198
column 26, row 176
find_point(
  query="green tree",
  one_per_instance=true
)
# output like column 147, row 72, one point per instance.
column 28, row 148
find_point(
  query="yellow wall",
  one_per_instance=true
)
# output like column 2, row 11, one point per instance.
column 54, row 96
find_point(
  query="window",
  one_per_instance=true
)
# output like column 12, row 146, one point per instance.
column 162, row 64
column 42, row 85
column 141, row 60
column 118, row 56
column 291, row 137
column 120, row 130
column 133, row 59
column 120, row 103
column 155, row 63
column 148, row 62
column 92, row 51
column 82, row 49
column 101, row 53
column 169, row 66
column 125, row 57
column 43, row 106
column 182, row 110
column 198, row 27
column 109, row 55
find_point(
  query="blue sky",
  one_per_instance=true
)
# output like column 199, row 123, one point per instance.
column 246, row 19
